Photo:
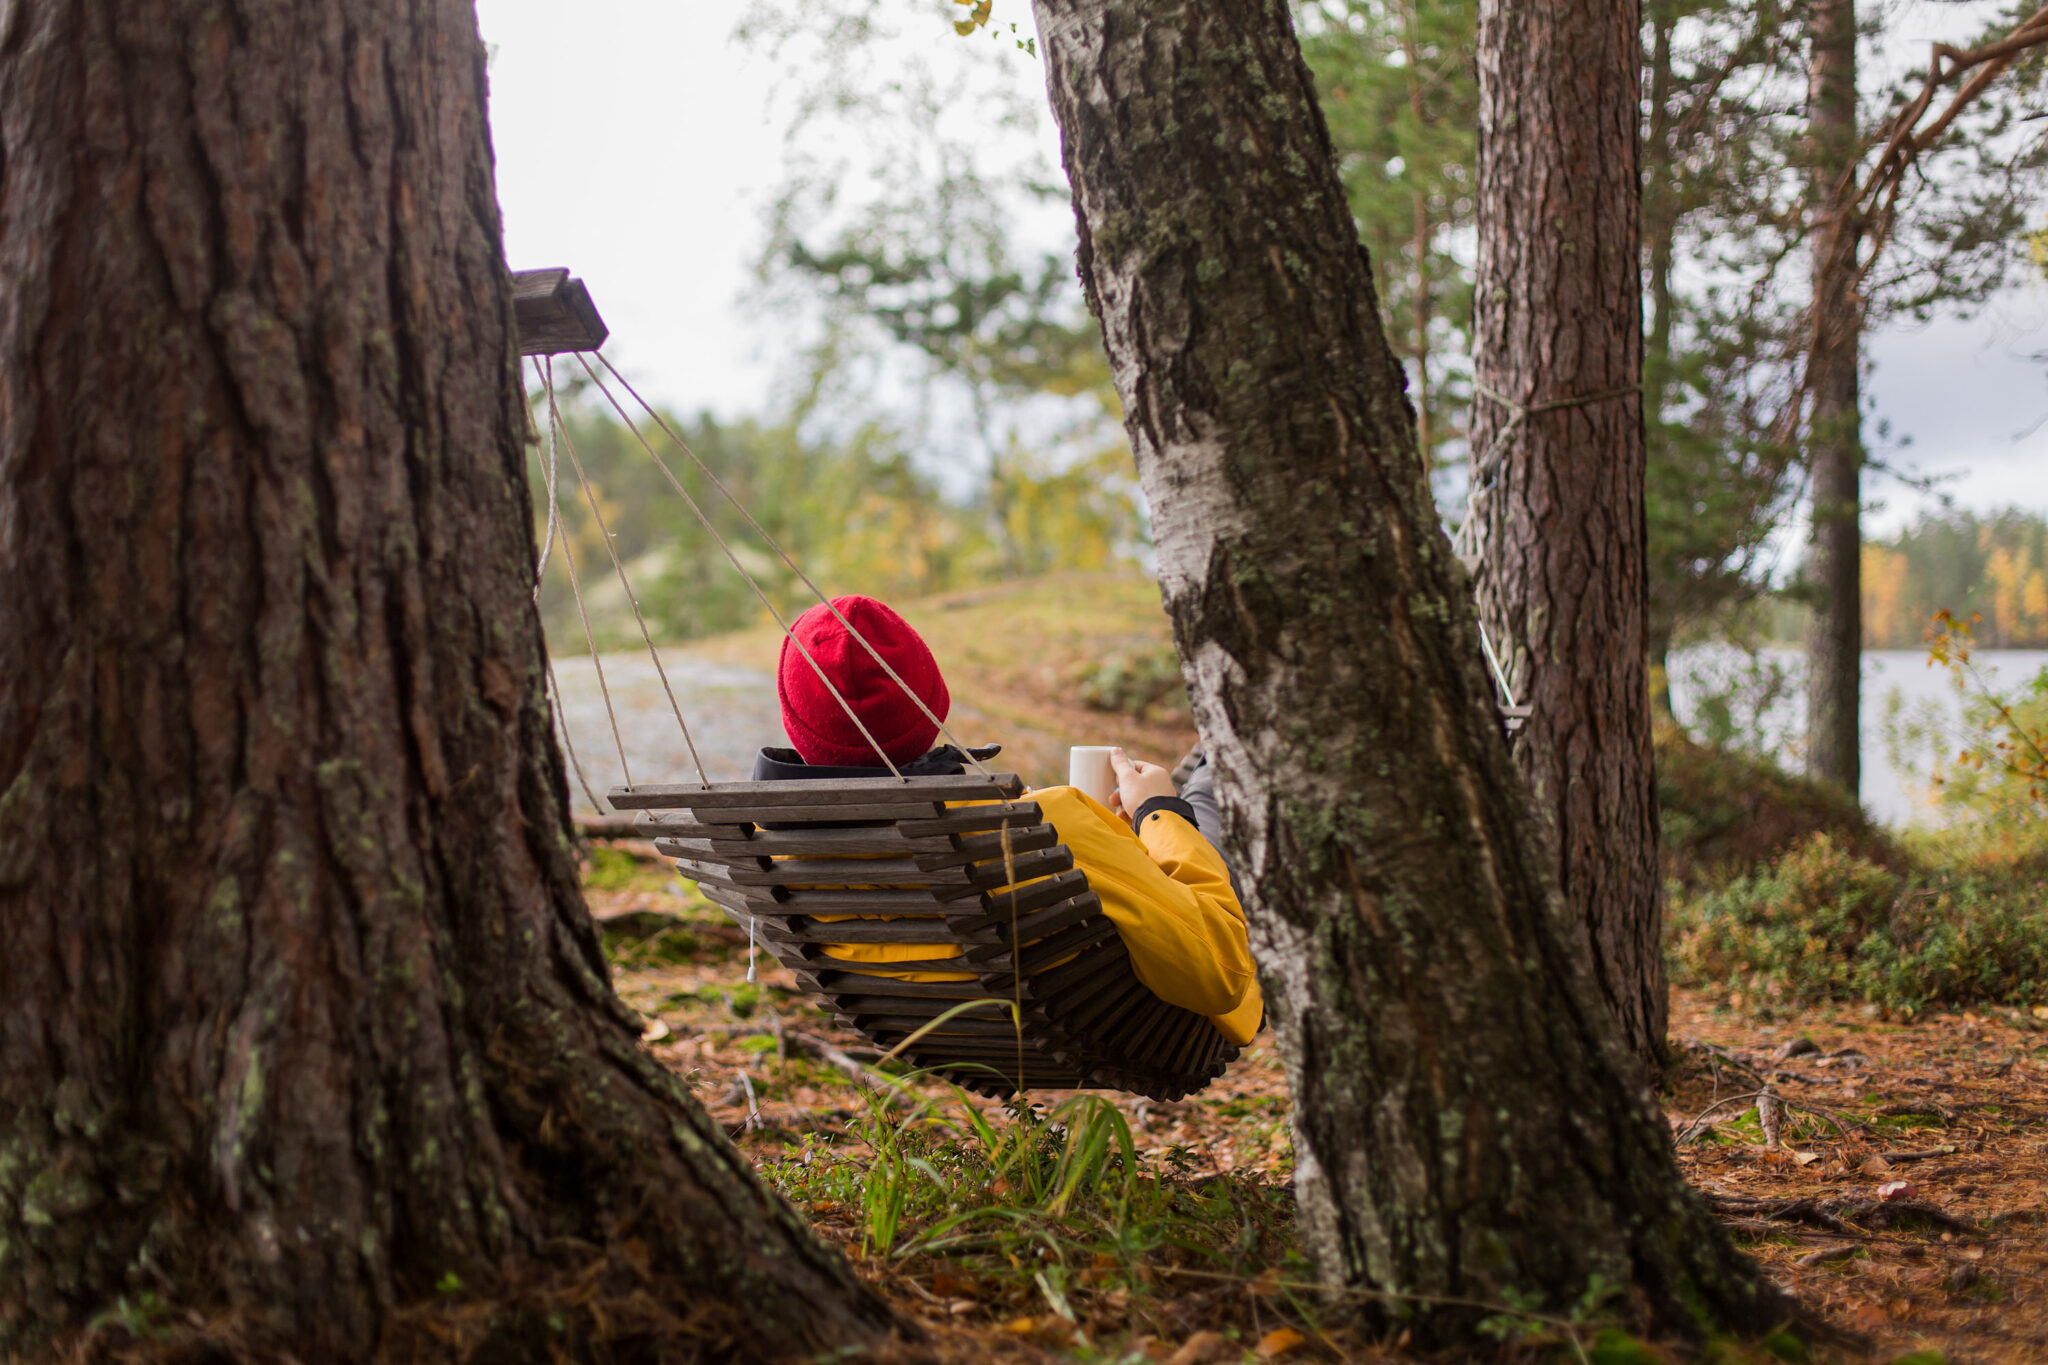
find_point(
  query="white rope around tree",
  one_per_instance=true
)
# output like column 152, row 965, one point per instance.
column 1487, row 476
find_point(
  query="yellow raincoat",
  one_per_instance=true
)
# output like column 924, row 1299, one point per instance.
column 1168, row 893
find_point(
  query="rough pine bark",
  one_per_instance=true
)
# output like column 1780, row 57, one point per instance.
column 1564, row 580
column 1468, row 1120
column 1834, row 569
column 303, row 1022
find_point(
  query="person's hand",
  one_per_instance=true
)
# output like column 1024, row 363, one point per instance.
column 1136, row 783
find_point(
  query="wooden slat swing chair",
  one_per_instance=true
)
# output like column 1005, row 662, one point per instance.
column 1042, row 993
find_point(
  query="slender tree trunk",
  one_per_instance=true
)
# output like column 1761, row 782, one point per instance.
column 1834, row 648
column 304, row 1028
column 1659, row 192
column 1660, row 215
column 1468, row 1120
column 1564, row 586
column 1420, row 245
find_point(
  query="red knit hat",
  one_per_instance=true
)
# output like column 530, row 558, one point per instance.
column 818, row 725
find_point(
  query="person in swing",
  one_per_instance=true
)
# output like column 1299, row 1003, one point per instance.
column 1150, row 855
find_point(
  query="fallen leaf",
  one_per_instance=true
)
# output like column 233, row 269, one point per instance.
column 949, row 1283
column 959, row 1306
column 655, row 1031
column 1200, row 1349
column 1279, row 1342
column 1267, row 1284
column 1806, row 1158
column 1874, row 1165
column 1022, row 1327
column 1894, row 1189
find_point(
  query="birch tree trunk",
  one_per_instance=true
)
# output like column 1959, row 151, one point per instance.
column 304, row 1028
column 1468, row 1119
column 1564, row 582
column 1834, row 646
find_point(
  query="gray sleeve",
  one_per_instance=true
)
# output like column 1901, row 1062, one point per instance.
column 1200, row 792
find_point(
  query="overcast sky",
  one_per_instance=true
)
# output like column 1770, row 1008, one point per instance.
column 636, row 143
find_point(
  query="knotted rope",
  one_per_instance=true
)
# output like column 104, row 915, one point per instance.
column 1486, row 477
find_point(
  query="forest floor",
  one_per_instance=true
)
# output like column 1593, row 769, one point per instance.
column 1201, row 1264
column 1905, row 1195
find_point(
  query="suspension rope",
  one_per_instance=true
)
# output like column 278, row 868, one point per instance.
column 781, row 553
column 590, row 639
column 590, row 497
column 554, row 509
column 568, row 745
column 740, row 568
column 539, row 570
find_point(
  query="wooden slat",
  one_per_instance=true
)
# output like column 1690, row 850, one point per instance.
column 878, row 840
column 1053, row 986
column 996, row 957
column 1037, row 925
column 1150, row 1037
column 710, row 878
column 911, row 902
column 781, row 903
column 860, row 931
column 838, row 791
column 791, row 817
column 1200, row 1038
column 683, row 825
column 832, row 872
column 1024, row 867
column 820, row 961
column 989, row 847
column 997, row 907
column 954, row 1030
column 980, row 816
column 875, row 1004
column 836, row 984
column 1082, row 1018
column 554, row 313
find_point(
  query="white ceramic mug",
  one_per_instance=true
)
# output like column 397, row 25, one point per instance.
column 1089, row 770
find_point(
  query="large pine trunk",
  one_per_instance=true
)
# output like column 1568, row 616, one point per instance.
column 1468, row 1121
column 1834, row 569
column 1564, row 579
column 303, row 1023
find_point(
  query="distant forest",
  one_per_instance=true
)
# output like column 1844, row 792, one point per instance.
column 1994, row 566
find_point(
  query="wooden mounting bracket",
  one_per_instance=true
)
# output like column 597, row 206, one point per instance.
column 554, row 313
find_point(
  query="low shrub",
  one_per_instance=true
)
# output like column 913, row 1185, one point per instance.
column 1824, row 923
column 1142, row 681
column 1725, row 814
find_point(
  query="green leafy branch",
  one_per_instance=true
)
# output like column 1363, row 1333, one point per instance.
column 978, row 14
column 2017, row 749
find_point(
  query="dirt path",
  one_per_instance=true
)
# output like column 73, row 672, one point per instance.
column 730, row 709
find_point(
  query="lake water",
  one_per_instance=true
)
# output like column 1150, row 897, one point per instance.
column 1769, row 705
